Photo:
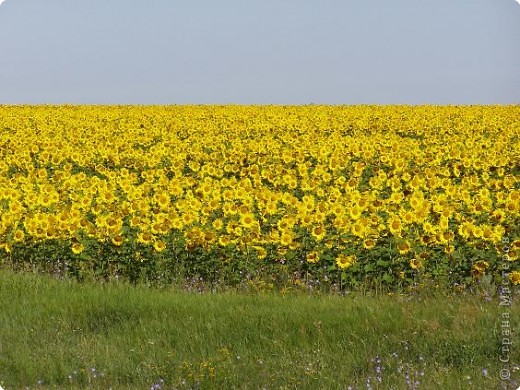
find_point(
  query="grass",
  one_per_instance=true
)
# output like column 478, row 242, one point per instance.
column 62, row 334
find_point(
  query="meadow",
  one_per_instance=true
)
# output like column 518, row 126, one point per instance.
column 161, row 242
column 72, row 335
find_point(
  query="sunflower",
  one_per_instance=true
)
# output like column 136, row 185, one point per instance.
column 144, row 238
column 426, row 239
column 487, row 232
column 428, row 228
column 444, row 223
column 446, row 237
column 77, row 248
column 466, row 230
column 286, row 238
column 162, row 199
column 449, row 249
column 271, row 208
column 408, row 218
column 343, row 261
column 358, row 229
column 355, row 212
column 306, row 220
column 260, row 252
column 369, row 243
column 217, row 224
column 478, row 232
column 320, row 217
column 159, row 246
column 395, row 226
column 319, row 232
column 514, row 277
column 512, row 255
column 223, row 240
column 247, row 220
column 403, row 247
column 117, row 240
column 479, row 268
column 313, row 257
column 415, row 264
column 18, row 235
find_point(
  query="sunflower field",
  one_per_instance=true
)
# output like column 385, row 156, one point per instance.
column 314, row 197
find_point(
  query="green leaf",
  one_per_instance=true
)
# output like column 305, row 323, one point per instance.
column 388, row 278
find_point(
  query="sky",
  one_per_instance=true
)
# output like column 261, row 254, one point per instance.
column 260, row 52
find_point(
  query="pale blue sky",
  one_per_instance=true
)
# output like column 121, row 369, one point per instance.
column 260, row 52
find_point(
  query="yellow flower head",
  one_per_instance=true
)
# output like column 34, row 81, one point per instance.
column 144, row 238
column 117, row 240
column 18, row 235
column 319, row 232
column 512, row 255
column 479, row 268
column 369, row 243
column 77, row 248
column 514, row 277
column 395, row 226
column 358, row 229
column 260, row 252
column 403, row 247
column 343, row 261
column 313, row 257
column 247, row 220
column 415, row 264
column 159, row 245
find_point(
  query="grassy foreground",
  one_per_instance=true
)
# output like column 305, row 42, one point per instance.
column 60, row 334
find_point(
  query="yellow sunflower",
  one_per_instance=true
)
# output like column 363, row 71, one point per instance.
column 313, row 257
column 514, row 277
column 77, row 248
column 415, row 264
column 343, row 261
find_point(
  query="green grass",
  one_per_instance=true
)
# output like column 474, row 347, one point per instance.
column 61, row 334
